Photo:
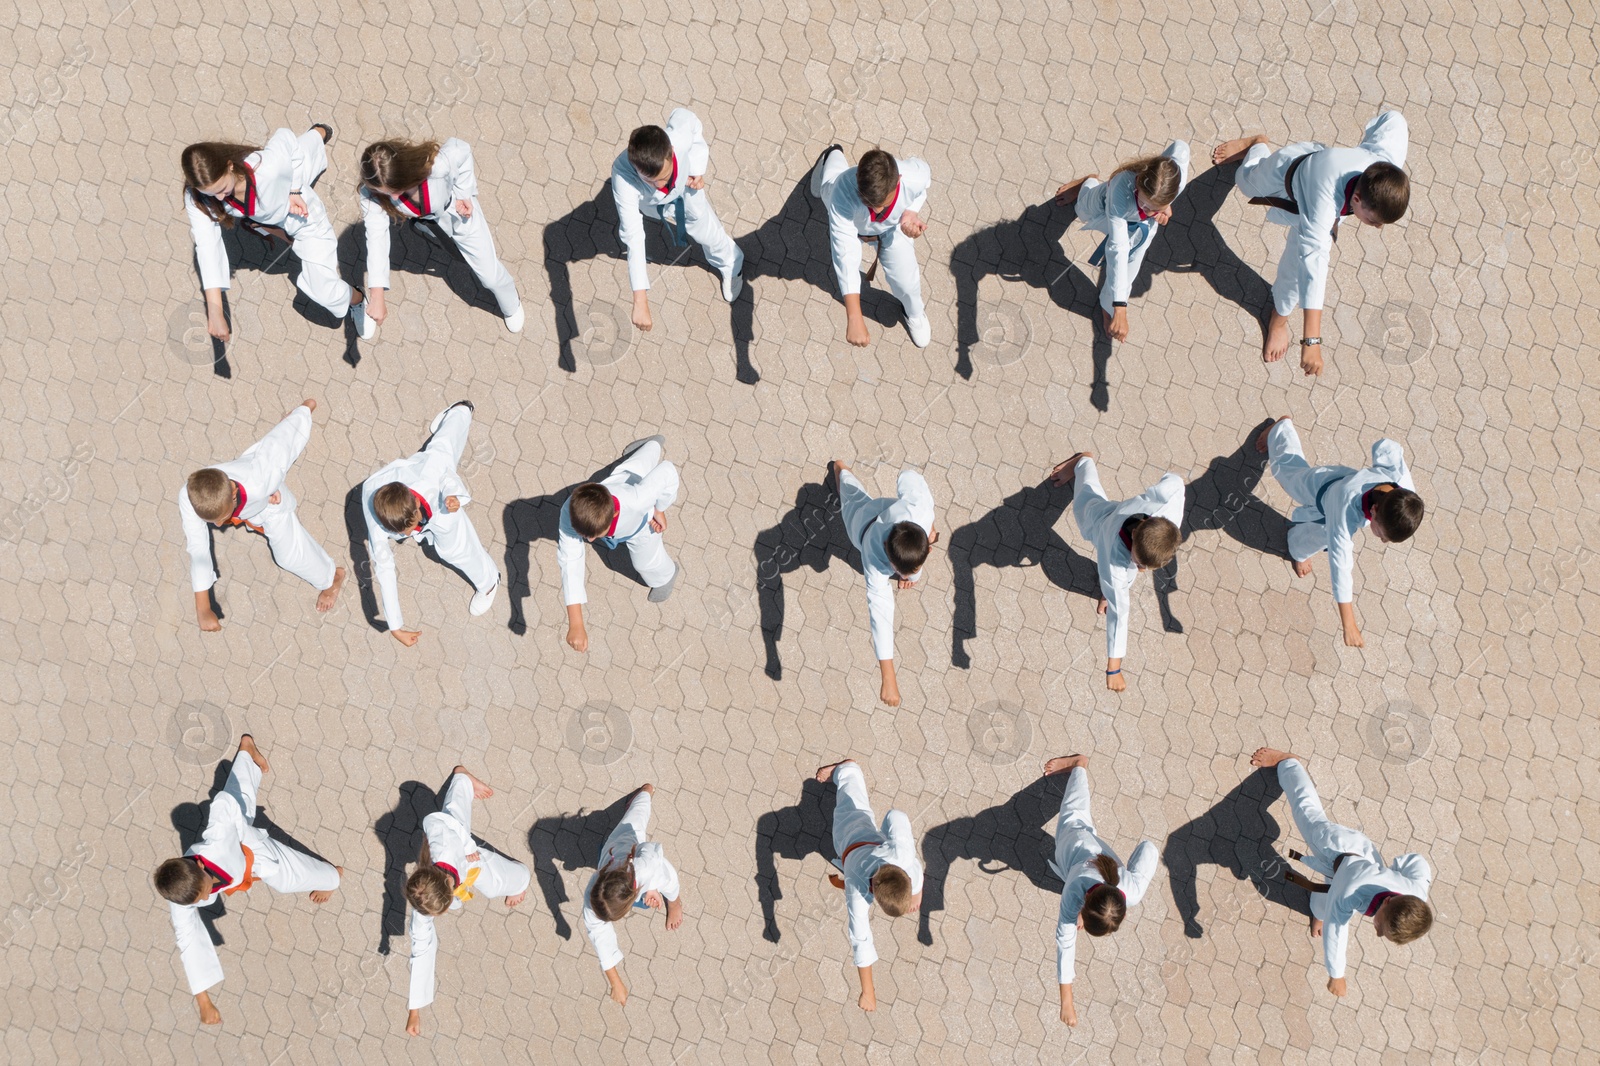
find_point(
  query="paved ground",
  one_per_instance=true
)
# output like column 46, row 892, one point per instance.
column 1463, row 730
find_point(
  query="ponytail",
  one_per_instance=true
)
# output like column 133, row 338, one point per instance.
column 1156, row 176
column 1108, row 870
column 1104, row 905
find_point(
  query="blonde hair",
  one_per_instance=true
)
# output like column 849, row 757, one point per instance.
column 211, row 494
column 1157, row 176
column 429, row 890
column 396, row 164
column 891, row 887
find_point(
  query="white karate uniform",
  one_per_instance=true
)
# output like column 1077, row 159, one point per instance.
column 1359, row 877
column 284, row 163
column 1112, row 208
column 1330, row 512
column 641, row 484
column 229, row 830
column 431, row 474
column 1322, row 187
column 867, row 522
column 449, row 833
column 891, row 844
column 260, row 472
column 637, row 197
column 452, row 178
column 1100, row 521
column 1075, row 851
column 850, row 219
column 651, row 873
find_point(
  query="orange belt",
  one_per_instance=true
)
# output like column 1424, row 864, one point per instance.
column 246, row 879
column 251, row 526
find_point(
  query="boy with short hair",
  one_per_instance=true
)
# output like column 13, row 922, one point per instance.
column 1336, row 503
column 632, row 873
column 451, row 869
column 250, row 492
column 628, row 507
column 877, row 863
column 1309, row 188
column 880, row 199
column 1395, row 897
column 662, row 174
column 420, row 499
column 1137, row 534
column 894, row 537
column 229, row 858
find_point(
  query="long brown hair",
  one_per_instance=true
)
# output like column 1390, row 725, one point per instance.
column 1157, row 176
column 1104, row 906
column 396, row 165
column 207, row 163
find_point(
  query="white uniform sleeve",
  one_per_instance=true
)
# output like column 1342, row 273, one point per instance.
column 285, row 146
column 1089, row 503
column 897, row 827
column 570, row 555
column 279, row 449
column 1140, row 871
column 1167, row 495
column 660, row 485
column 915, row 180
column 1067, row 932
column 630, row 225
column 381, row 549
column 209, row 251
column 1341, row 554
column 859, row 928
column 197, row 538
column 671, row 890
column 1335, row 940
column 1318, row 215
column 1388, row 135
column 682, row 121
column 424, row 954
column 200, row 963
column 1119, row 282
column 1417, row 869
column 457, row 154
column 844, row 241
column 458, row 805
column 375, row 220
column 1116, row 594
column 880, row 613
column 1389, row 458
column 603, row 935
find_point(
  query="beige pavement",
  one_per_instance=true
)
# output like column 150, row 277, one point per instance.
column 1463, row 730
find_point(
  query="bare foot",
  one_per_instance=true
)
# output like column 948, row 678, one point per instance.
column 1068, row 193
column 1276, row 344
column 647, row 788
column 825, row 772
column 324, row 895
column 1228, row 151
column 512, row 901
column 835, row 468
column 1067, row 469
column 1302, row 568
column 247, row 744
column 479, row 789
column 330, row 595
column 1271, row 757
column 1261, row 438
column 1065, row 763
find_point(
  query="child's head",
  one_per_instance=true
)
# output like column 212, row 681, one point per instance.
column 614, row 892
column 429, row 890
column 650, row 153
column 1155, row 543
column 891, row 887
column 877, row 177
column 208, row 174
column 907, row 548
column 393, row 167
column 1403, row 919
column 1104, row 905
column 397, row 508
column 211, row 494
column 180, row 881
column 1396, row 514
column 1157, row 178
column 591, row 508
column 1384, row 192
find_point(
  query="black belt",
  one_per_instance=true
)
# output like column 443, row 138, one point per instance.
column 1287, row 201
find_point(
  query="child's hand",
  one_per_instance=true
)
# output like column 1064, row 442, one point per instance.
column 578, row 638
column 619, row 991
column 912, row 226
column 1311, row 359
column 275, row 499
column 658, row 522
column 464, row 208
column 297, row 205
column 1117, row 682
column 208, row 621
column 1117, row 325
column 653, row 900
column 452, row 504
column 217, row 324
column 696, row 182
column 641, row 311
column 855, row 331
column 1069, row 1014
column 375, row 307
column 1164, row 215
column 890, row 693
column 414, row 1023
column 868, row 1000
column 1336, row 985
column 1352, row 637
column 408, row 637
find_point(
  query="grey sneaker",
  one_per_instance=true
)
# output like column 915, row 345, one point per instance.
column 661, row 595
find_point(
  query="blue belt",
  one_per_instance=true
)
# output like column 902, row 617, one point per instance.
column 1323, row 492
column 1137, row 234
column 676, row 230
column 612, row 542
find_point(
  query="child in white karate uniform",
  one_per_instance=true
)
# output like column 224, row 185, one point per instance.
column 880, row 199
column 1336, row 503
column 878, row 863
column 1134, row 535
column 1309, row 188
column 628, row 507
column 1129, row 208
column 270, row 189
column 894, row 537
column 433, row 184
column 421, row 498
column 1394, row 896
column 1097, row 889
column 229, row 858
column 451, row 869
column 662, row 175
column 250, row 492
column 633, row 873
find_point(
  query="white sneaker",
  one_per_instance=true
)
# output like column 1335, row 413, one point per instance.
column 365, row 327
column 732, row 286
column 481, row 601
column 921, row 331
column 515, row 320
